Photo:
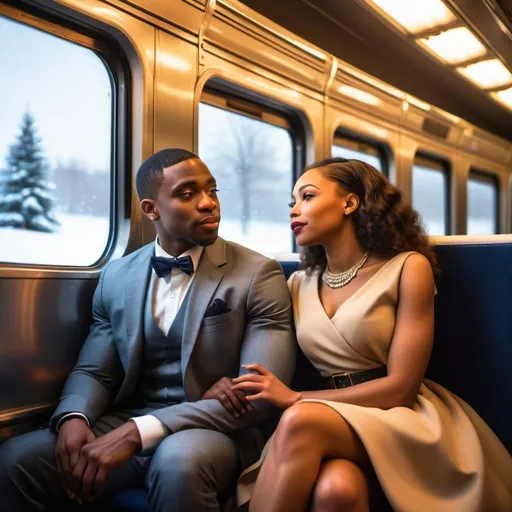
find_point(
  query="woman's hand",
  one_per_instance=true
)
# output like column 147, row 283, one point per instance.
column 265, row 385
column 234, row 402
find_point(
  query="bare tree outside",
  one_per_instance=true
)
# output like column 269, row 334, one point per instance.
column 80, row 190
column 252, row 162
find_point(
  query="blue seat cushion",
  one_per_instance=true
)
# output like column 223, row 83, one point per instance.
column 131, row 500
column 289, row 267
column 473, row 331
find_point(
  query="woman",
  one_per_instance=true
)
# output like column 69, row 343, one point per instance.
column 364, row 315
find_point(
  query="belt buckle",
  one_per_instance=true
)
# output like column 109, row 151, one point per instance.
column 345, row 375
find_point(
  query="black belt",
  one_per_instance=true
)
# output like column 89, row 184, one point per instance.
column 345, row 380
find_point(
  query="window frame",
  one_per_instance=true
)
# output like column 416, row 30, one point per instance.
column 482, row 176
column 381, row 148
column 442, row 165
column 107, row 49
column 232, row 98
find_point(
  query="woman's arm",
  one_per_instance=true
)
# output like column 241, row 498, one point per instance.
column 408, row 357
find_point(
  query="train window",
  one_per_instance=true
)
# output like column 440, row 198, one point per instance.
column 252, row 158
column 352, row 148
column 482, row 204
column 55, row 149
column 430, row 193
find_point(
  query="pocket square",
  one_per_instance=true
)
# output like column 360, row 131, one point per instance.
column 218, row 307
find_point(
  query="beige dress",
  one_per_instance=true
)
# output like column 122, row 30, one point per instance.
column 438, row 456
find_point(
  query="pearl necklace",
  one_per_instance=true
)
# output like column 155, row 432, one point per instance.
column 343, row 278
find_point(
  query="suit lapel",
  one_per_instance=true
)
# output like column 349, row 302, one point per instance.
column 137, row 280
column 208, row 276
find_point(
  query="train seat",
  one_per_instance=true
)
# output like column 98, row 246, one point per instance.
column 473, row 340
column 131, row 500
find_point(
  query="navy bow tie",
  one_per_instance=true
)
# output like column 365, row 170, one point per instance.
column 164, row 266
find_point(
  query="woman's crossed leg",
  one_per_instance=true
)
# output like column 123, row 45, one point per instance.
column 315, row 459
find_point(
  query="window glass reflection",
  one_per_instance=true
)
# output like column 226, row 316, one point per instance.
column 357, row 150
column 430, row 194
column 482, row 205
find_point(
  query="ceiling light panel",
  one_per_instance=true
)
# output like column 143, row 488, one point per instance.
column 455, row 45
column 487, row 74
column 416, row 15
column 504, row 97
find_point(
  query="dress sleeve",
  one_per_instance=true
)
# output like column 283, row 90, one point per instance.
column 290, row 282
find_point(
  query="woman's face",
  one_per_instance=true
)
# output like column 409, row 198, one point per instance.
column 318, row 208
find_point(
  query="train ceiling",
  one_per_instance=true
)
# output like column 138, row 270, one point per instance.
column 360, row 33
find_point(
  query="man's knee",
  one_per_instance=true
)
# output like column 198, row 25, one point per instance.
column 9, row 459
column 179, row 463
column 193, row 456
column 22, row 452
column 27, row 469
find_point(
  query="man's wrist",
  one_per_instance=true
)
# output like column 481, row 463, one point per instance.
column 133, row 434
column 71, row 416
column 151, row 431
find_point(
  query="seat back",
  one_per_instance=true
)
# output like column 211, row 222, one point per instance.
column 472, row 354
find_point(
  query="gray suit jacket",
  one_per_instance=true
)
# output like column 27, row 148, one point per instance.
column 257, row 329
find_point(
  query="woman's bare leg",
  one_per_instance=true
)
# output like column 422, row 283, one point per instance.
column 307, row 434
column 341, row 487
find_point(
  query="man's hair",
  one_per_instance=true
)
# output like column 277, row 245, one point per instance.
column 151, row 172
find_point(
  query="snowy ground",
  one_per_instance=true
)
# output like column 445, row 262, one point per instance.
column 264, row 237
column 81, row 240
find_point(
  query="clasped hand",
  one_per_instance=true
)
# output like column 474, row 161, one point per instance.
column 264, row 385
column 236, row 394
column 234, row 402
column 84, row 460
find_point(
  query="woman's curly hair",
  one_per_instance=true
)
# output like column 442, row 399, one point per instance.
column 384, row 222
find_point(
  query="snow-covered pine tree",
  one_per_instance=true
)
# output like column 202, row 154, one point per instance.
column 26, row 198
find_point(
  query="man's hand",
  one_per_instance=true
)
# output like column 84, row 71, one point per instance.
column 233, row 401
column 100, row 456
column 73, row 434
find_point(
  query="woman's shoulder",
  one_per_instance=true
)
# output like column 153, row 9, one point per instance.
column 415, row 262
column 395, row 269
column 297, row 279
column 407, row 259
column 417, row 273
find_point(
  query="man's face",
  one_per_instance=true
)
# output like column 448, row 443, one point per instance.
column 187, row 204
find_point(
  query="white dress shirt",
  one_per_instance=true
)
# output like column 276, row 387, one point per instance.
column 169, row 292
column 167, row 296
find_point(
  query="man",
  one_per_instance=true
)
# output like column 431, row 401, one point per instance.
column 149, row 400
